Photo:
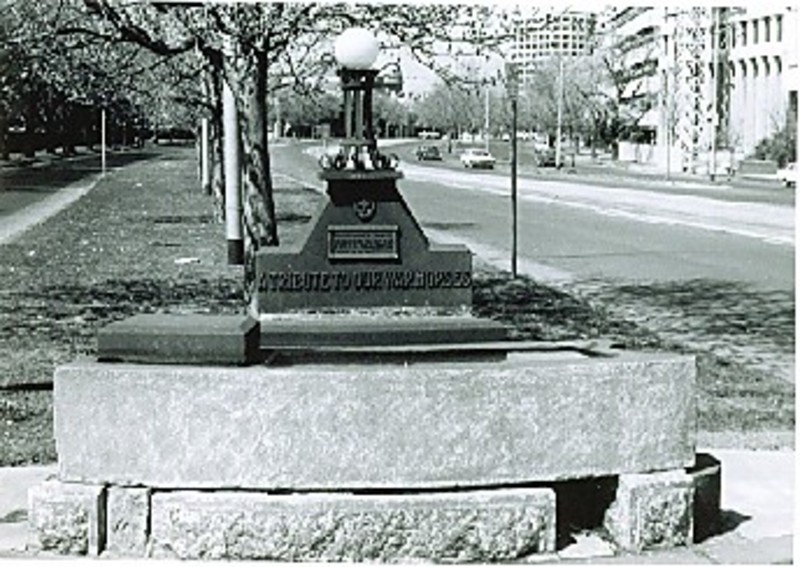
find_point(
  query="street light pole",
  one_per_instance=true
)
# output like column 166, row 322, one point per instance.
column 559, row 109
column 103, row 140
column 714, row 82
column 514, row 187
column 233, row 172
column 486, row 118
column 512, row 85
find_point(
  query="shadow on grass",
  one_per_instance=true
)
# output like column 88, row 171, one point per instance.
column 50, row 176
column 43, row 309
column 719, row 308
column 539, row 312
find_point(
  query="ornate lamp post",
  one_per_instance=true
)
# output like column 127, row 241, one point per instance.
column 364, row 249
column 356, row 50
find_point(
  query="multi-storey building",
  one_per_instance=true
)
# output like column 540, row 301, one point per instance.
column 761, row 66
column 541, row 33
column 630, row 45
column 723, row 78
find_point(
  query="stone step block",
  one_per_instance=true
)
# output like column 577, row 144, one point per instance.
column 467, row 526
column 128, row 517
column 67, row 518
column 652, row 511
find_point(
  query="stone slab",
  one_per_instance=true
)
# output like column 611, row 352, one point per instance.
column 467, row 526
column 67, row 518
column 652, row 511
column 181, row 339
column 353, row 331
column 128, row 517
column 527, row 418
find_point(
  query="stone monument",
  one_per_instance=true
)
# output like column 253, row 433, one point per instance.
column 362, row 414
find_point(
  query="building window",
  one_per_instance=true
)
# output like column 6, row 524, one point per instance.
column 767, row 29
column 743, row 27
column 779, row 28
column 755, row 32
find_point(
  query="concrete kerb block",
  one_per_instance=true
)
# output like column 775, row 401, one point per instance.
column 67, row 518
column 470, row 526
column 128, row 518
column 652, row 510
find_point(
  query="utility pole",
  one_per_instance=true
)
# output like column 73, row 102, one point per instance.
column 714, row 83
column 103, row 140
column 560, row 109
column 512, row 85
column 486, row 117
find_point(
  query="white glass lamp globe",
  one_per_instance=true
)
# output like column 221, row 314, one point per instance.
column 356, row 48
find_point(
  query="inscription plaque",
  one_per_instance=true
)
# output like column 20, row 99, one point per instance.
column 346, row 261
column 351, row 242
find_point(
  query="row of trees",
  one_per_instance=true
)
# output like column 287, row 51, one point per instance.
column 601, row 103
column 172, row 58
column 56, row 75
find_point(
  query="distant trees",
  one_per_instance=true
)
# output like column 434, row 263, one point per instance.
column 58, row 72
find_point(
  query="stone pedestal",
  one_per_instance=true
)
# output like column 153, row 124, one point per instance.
column 455, row 461
column 532, row 417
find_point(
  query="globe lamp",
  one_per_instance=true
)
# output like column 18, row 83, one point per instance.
column 356, row 48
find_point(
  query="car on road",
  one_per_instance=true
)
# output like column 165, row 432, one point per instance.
column 788, row 175
column 545, row 157
column 428, row 153
column 474, row 157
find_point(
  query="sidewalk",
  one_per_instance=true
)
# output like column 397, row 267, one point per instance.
column 757, row 512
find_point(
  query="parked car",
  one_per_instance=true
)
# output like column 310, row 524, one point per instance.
column 546, row 157
column 428, row 153
column 477, row 158
column 788, row 175
column 430, row 135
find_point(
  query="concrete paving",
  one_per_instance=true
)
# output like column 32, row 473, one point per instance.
column 757, row 502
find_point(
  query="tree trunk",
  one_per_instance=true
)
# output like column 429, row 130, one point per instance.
column 4, row 152
column 246, row 73
column 67, row 131
column 213, row 88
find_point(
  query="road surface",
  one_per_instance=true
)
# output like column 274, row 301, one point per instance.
column 649, row 230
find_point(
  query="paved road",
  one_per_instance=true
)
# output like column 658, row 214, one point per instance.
column 573, row 230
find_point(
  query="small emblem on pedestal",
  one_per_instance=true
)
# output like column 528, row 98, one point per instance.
column 365, row 209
